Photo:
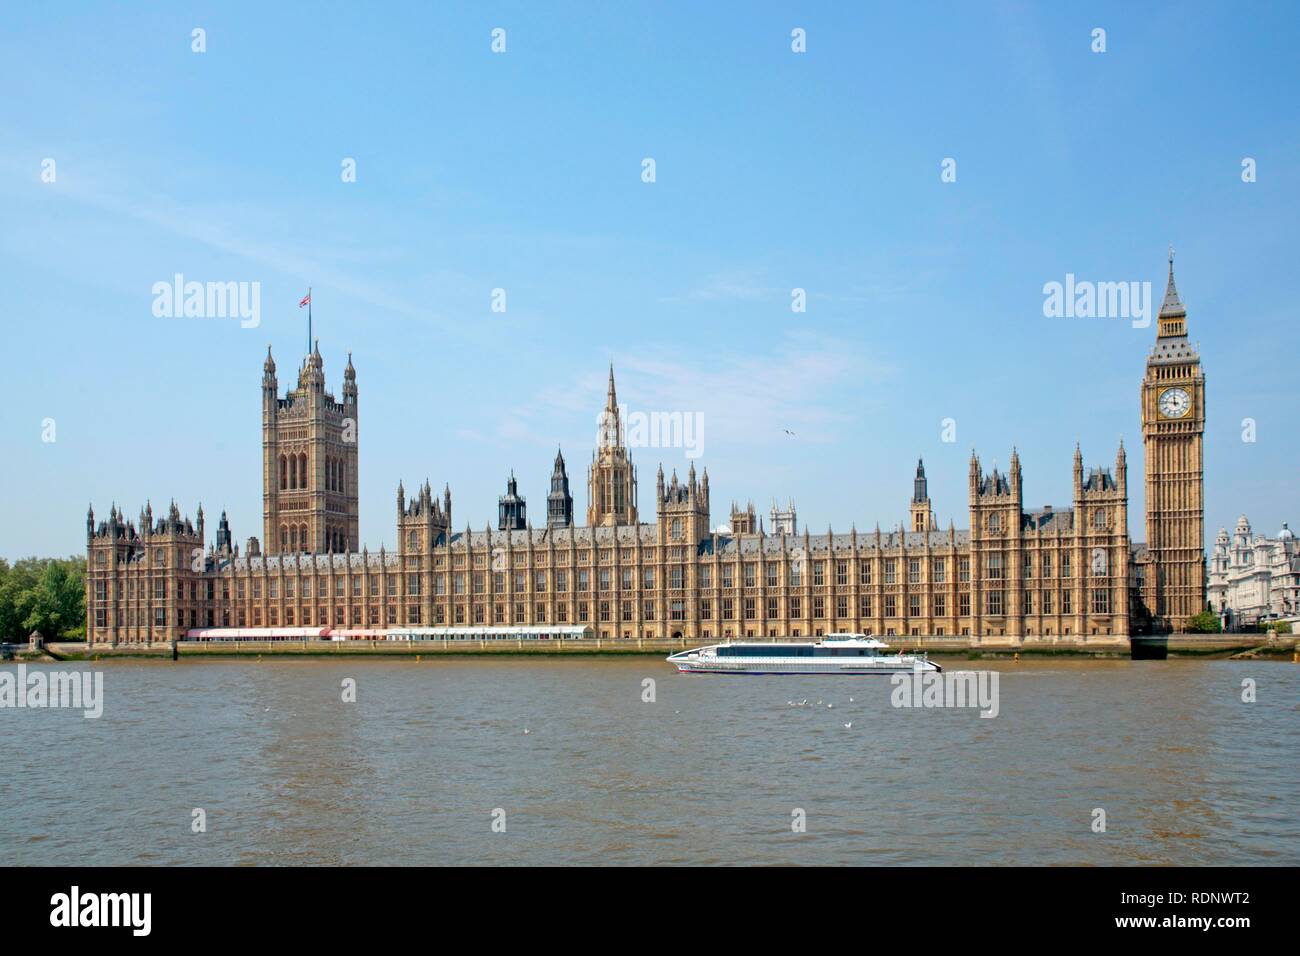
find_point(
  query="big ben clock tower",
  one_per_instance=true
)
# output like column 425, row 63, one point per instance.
column 1173, row 422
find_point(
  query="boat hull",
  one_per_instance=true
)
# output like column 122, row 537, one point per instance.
column 878, row 667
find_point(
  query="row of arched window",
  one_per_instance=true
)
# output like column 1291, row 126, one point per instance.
column 336, row 471
column 294, row 538
column 293, row 473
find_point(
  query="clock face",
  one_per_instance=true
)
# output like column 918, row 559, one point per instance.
column 1175, row 402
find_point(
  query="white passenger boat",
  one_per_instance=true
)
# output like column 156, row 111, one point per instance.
column 855, row 654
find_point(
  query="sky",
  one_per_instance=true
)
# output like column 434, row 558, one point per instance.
column 524, row 171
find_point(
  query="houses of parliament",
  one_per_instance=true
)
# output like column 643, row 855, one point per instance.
column 1064, row 574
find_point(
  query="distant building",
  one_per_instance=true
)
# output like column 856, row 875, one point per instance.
column 1254, row 578
column 785, row 521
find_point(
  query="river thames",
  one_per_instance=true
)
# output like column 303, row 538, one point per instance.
column 582, row 770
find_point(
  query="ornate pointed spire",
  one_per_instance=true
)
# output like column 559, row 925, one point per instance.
column 1172, row 306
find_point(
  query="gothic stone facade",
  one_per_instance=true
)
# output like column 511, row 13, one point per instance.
column 1048, row 574
column 1173, row 423
column 309, row 462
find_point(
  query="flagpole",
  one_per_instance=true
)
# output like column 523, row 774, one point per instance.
column 309, row 320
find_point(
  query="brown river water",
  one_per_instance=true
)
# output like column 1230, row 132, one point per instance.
column 712, row 772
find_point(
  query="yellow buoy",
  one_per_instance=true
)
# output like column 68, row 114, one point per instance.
column 1016, row 660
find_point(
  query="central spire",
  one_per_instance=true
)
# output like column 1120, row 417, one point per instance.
column 611, row 482
column 611, row 426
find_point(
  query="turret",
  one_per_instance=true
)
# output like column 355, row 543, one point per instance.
column 511, row 508
column 224, row 541
column 1121, row 468
column 349, row 383
column 313, row 376
column 270, row 388
column 559, row 503
column 920, row 512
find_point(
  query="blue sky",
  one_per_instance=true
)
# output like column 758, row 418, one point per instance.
column 522, row 171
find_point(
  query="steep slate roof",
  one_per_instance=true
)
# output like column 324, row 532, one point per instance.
column 1172, row 351
column 626, row 535
column 1049, row 520
column 835, row 544
column 321, row 562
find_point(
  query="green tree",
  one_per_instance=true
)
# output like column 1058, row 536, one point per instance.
column 1205, row 622
column 44, row 594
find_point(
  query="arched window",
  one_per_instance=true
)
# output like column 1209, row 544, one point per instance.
column 343, row 477
column 293, row 538
column 411, row 541
column 1099, row 519
column 303, row 540
column 302, row 470
column 284, row 538
column 284, row 473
